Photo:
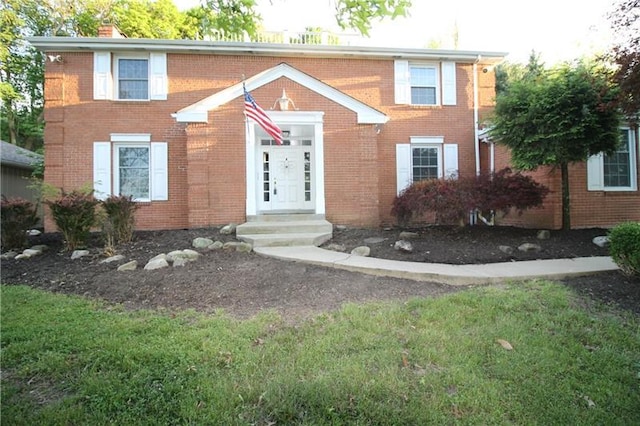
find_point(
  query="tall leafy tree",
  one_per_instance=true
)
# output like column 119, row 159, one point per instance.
column 557, row 117
column 625, row 21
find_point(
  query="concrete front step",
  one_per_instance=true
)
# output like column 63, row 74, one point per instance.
column 285, row 230
column 284, row 227
column 285, row 240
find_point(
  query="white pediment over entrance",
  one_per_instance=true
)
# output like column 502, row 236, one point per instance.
column 198, row 112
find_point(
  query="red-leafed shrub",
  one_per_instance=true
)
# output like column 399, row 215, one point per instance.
column 74, row 214
column 18, row 216
column 452, row 200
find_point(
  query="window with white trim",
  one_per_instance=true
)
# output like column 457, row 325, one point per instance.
column 132, row 78
column 126, row 76
column 424, row 83
column 131, row 165
column 425, row 158
column 616, row 171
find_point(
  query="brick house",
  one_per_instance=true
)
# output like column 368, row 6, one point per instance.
column 164, row 120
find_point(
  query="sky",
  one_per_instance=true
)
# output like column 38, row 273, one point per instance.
column 556, row 29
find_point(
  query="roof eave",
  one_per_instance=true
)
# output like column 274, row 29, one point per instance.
column 70, row 44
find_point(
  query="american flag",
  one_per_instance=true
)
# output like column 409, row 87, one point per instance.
column 253, row 111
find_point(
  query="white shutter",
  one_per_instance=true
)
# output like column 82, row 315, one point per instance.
column 451, row 161
column 102, row 169
column 403, row 166
column 448, row 83
column 595, row 181
column 158, row 83
column 102, row 80
column 402, row 87
column 159, row 172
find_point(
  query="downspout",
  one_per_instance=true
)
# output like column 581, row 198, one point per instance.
column 476, row 142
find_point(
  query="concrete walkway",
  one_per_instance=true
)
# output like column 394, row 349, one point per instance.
column 442, row 273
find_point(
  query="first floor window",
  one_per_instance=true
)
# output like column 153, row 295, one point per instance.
column 425, row 162
column 426, row 157
column 132, row 173
column 131, row 165
column 616, row 171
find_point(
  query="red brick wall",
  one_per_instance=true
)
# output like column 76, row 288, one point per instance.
column 207, row 161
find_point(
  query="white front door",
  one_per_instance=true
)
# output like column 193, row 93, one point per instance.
column 286, row 181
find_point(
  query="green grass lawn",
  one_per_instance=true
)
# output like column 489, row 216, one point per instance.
column 67, row 360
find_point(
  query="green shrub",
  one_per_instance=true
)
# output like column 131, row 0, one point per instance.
column 74, row 214
column 18, row 216
column 120, row 221
column 624, row 246
column 451, row 200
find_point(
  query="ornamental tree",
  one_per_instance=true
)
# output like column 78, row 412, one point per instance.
column 556, row 117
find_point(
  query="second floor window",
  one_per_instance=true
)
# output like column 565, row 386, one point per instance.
column 133, row 78
column 424, row 83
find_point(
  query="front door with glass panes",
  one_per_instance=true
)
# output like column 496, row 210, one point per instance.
column 286, row 179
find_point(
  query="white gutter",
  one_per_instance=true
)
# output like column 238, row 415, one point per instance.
column 476, row 141
column 91, row 44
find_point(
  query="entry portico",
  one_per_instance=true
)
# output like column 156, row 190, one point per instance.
column 287, row 178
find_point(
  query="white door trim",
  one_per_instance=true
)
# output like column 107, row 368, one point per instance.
column 314, row 118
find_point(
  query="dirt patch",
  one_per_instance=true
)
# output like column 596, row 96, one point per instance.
column 244, row 284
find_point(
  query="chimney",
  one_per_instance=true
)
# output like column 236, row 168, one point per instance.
column 109, row 30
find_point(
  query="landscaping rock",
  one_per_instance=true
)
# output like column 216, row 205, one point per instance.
column 374, row 240
column 529, row 247
column 129, row 266
column 156, row 263
column 33, row 232
column 187, row 254
column 404, row 246
column 22, row 256
column 506, row 249
column 341, row 227
column 33, row 252
column 116, row 258
column 336, row 247
column 216, row 245
column 237, row 246
column 8, row 255
column 77, row 254
column 228, row 229
column 180, row 261
column 41, row 247
column 202, row 242
column 361, row 251
column 406, row 235
column 160, row 256
column 544, row 234
column 601, row 241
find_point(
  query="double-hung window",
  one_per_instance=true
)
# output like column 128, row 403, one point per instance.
column 424, row 83
column 132, row 78
column 616, row 171
column 126, row 76
column 426, row 157
column 131, row 165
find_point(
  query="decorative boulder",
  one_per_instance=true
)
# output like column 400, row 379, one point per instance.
column 361, row 251
column 228, row 229
column 335, row 247
column 202, row 242
column 404, row 246
column 116, row 258
column 77, row 254
column 544, row 234
column 129, row 266
column 374, row 240
column 216, row 245
column 156, row 263
column 506, row 249
column 529, row 247
column 601, row 241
